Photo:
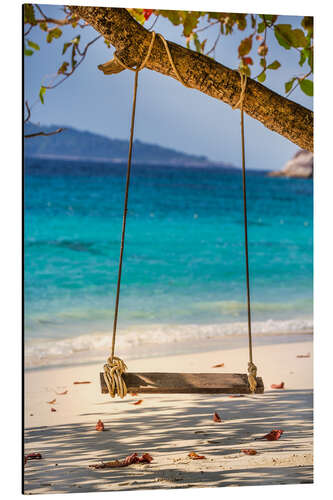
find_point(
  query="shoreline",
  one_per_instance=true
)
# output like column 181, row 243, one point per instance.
column 171, row 426
column 155, row 340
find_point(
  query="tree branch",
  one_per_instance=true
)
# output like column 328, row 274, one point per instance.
column 45, row 134
column 200, row 72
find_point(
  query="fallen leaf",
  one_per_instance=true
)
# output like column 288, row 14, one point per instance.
column 303, row 355
column 32, row 456
column 100, row 426
column 146, row 458
column 61, row 393
column 134, row 393
column 278, row 386
column 51, row 402
column 237, row 396
column 249, row 451
column 216, row 417
column 194, row 456
column 53, row 409
column 83, row 382
column 218, row 366
column 138, row 402
column 274, row 435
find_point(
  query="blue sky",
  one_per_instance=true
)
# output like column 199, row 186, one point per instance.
column 167, row 113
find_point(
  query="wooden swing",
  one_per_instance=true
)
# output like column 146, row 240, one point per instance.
column 115, row 380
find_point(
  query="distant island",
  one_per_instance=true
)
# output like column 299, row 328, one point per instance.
column 76, row 144
column 300, row 166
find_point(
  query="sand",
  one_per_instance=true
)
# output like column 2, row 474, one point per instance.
column 171, row 426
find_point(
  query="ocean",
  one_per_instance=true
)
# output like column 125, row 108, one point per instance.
column 183, row 281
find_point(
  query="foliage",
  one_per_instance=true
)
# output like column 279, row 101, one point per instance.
column 195, row 24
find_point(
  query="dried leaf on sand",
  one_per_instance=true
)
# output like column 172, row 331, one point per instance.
column 274, row 435
column 278, row 386
column 100, row 426
column 220, row 365
column 83, row 382
column 51, row 402
column 146, row 458
column 194, row 456
column 216, row 417
column 249, row 451
column 138, row 402
column 61, row 393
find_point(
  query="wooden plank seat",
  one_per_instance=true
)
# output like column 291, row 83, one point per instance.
column 187, row 383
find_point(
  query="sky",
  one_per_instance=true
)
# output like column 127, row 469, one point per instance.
column 168, row 114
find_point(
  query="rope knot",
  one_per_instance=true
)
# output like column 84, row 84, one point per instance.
column 252, row 374
column 113, row 370
column 239, row 103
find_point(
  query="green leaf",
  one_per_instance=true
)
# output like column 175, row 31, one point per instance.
column 33, row 45
column 261, row 27
column 302, row 58
column 282, row 34
column 274, row 65
column 28, row 52
column 245, row 46
column 263, row 62
column 307, row 87
column 29, row 14
column 288, row 85
column 63, row 68
column 262, row 77
column 43, row 26
column 190, row 22
column 65, row 47
column 197, row 42
column 298, row 38
column 53, row 33
column 41, row 94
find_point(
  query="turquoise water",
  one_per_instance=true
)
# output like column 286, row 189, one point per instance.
column 184, row 252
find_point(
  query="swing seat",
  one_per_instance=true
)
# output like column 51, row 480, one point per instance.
column 187, row 383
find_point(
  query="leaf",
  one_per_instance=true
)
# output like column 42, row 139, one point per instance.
column 63, row 68
column 249, row 451
column 216, row 417
column 274, row 435
column 138, row 402
column 28, row 52
column 288, row 85
column 100, row 426
column 131, row 459
column 281, row 32
column 147, row 13
column 84, row 382
column 133, row 393
column 29, row 14
column 194, row 456
column 274, row 65
column 307, row 87
column 220, row 365
column 53, row 409
column 261, row 27
column 33, row 45
column 303, row 355
column 259, row 37
column 237, row 396
column 278, row 386
column 190, row 22
column 51, row 402
column 53, row 33
column 262, row 49
column 262, row 77
column 33, row 456
column 61, row 393
column 298, row 38
column 247, row 60
column 65, row 47
column 245, row 46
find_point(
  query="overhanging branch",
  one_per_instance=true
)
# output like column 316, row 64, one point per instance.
column 199, row 72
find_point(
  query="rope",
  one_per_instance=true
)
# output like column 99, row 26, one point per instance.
column 115, row 367
column 252, row 369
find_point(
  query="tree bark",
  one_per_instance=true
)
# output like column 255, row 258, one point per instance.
column 131, row 40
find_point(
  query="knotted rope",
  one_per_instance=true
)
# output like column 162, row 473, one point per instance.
column 252, row 369
column 115, row 367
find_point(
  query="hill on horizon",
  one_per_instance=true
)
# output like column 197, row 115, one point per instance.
column 74, row 143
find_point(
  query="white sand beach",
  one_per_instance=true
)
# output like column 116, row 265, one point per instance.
column 169, row 427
